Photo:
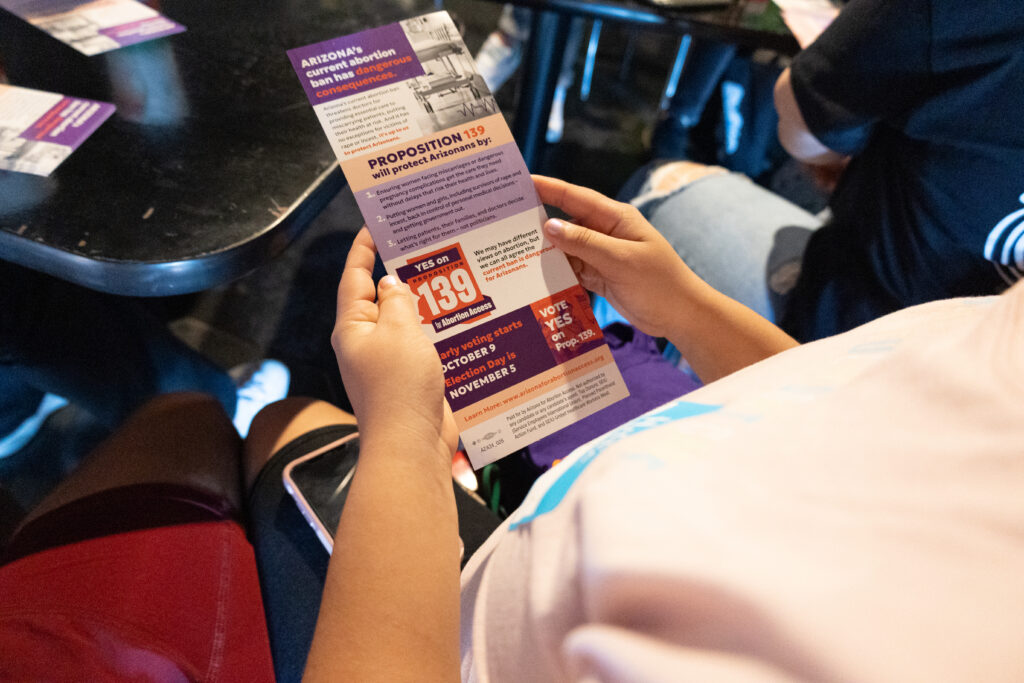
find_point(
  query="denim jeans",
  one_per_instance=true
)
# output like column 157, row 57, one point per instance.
column 743, row 240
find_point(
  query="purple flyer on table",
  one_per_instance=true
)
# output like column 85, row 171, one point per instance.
column 94, row 26
column 39, row 130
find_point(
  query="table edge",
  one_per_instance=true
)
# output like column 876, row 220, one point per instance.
column 182, row 276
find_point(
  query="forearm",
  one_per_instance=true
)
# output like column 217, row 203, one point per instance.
column 718, row 335
column 794, row 134
column 616, row 253
column 390, row 604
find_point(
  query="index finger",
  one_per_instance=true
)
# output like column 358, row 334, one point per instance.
column 357, row 278
column 587, row 207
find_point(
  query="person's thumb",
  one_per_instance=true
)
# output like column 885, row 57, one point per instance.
column 395, row 302
column 590, row 246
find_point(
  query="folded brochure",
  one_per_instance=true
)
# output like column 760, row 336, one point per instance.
column 39, row 130
column 453, row 211
column 94, row 26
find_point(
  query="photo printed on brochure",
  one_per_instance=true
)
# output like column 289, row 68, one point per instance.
column 454, row 214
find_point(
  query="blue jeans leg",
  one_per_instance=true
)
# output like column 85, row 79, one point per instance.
column 738, row 237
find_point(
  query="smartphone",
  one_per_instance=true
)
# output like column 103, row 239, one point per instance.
column 319, row 482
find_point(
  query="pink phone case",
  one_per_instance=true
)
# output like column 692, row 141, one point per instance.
column 304, row 507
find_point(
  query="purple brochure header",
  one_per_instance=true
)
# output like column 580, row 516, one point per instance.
column 69, row 122
column 493, row 356
column 141, row 31
column 351, row 64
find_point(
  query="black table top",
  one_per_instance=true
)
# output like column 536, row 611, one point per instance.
column 213, row 162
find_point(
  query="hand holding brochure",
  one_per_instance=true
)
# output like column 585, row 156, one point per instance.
column 452, row 209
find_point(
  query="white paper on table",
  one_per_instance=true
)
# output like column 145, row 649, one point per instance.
column 39, row 130
column 94, row 26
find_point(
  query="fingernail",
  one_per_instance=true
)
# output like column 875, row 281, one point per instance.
column 554, row 227
column 388, row 281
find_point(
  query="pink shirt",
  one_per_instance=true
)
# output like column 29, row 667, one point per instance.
column 850, row 510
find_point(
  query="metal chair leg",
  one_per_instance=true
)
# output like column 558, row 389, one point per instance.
column 588, row 65
column 677, row 70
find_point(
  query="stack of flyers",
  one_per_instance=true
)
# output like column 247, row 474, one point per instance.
column 453, row 211
column 94, row 26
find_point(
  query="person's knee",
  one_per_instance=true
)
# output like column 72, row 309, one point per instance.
column 297, row 412
column 676, row 175
column 192, row 403
column 283, row 421
column 180, row 438
column 190, row 416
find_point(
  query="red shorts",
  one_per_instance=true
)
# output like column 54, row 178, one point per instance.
column 165, row 589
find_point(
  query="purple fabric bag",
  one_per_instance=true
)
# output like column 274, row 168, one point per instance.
column 652, row 381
